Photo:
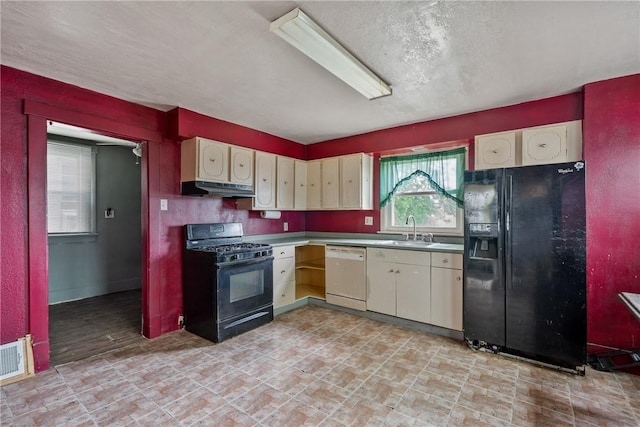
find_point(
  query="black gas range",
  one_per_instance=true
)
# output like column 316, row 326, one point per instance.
column 227, row 283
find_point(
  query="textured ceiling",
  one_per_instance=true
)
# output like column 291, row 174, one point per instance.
column 219, row 58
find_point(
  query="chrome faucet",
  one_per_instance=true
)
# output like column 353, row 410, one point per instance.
column 415, row 236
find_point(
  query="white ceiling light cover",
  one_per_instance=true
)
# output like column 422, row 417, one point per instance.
column 305, row 35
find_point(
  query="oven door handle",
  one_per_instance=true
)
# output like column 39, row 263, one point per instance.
column 238, row 263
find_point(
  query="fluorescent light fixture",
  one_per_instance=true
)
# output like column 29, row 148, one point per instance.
column 305, row 35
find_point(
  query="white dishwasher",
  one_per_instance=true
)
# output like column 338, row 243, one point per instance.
column 346, row 276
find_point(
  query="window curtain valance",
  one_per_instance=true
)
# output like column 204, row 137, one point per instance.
column 436, row 167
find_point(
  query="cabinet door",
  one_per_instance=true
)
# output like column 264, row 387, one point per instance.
column 381, row 287
column 284, row 189
column 446, row 298
column 497, row 150
column 300, row 182
column 265, row 181
column 284, row 270
column 213, row 160
column 314, row 184
column 330, row 183
column 284, row 294
column 544, row 144
column 413, row 300
column 351, row 181
column 242, row 165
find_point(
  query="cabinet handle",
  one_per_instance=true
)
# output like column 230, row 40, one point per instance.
column 212, row 160
column 446, row 260
column 282, row 295
column 391, row 271
column 285, row 183
column 397, row 271
column 542, row 145
column 283, row 271
column 241, row 165
column 458, row 278
column 301, row 185
column 264, row 179
column 282, row 253
column 350, row 181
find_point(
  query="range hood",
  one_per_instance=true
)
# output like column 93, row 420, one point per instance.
column 216, row 189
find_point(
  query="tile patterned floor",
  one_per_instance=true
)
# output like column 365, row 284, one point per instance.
column 315, row 366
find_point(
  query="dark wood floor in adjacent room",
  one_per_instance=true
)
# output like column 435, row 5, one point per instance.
column 83, row 328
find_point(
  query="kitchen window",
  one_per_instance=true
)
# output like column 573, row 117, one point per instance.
column 70, row 188
column 427, row 186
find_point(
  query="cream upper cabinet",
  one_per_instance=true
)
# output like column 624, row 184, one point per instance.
column 204, row 160
column 285, row 182
column 446, row 290
column 556, row 143
column 300, row 183
column 497, row 150
column 356, row 190
column 331, row 183
column 314, row 184
column 241, row 165
column 265, row 182
column 552, row 144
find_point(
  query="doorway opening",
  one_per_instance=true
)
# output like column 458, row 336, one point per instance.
column 94, row 227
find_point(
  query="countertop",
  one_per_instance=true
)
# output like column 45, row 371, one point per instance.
column 377, row 243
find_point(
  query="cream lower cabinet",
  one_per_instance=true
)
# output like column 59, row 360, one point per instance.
column 446, row 290
column 398, row 283
column 284, row 276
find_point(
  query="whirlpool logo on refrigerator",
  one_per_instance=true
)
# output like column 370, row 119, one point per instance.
column 577, row 167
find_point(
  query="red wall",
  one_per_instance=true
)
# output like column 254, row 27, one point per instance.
column 457, row 129
column 23, row 219
column 611, row 134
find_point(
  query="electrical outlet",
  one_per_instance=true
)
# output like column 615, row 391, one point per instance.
column 368, row 220
column 286, row 226
column 164, row 204
column 180, row 321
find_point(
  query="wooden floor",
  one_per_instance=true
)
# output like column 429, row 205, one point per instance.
column 80, row 329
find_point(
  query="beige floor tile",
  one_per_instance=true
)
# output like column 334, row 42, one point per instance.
column 396, row 419
column 527, row 414
column 124, row 411
column 465, row 417
column 486, row 402
column 358, row 411
column 226, row 416
column 382, row 390
column 234, row 384
column 346, row 377
column 260, row 401
column 541, row 395
column 493, row 380
column 58, row 413
column 438, row 385
column 105, row 393
column 195, row 405
column 291, row 381
column 448, row 367
column 322, row 396
column 425, row 408
column 295, row 414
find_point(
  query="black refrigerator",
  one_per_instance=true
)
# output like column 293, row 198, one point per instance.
column 524, row 262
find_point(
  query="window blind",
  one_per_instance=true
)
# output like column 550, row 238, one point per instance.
column 70, row 188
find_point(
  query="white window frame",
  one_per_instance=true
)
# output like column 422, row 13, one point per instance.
column 386, row 212
column 92, row 198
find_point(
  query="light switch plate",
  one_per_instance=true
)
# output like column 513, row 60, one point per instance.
column 109, row 213
column 164, row 204
column 368, row 220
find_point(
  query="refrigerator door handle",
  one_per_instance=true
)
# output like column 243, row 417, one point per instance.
column 507, row 240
